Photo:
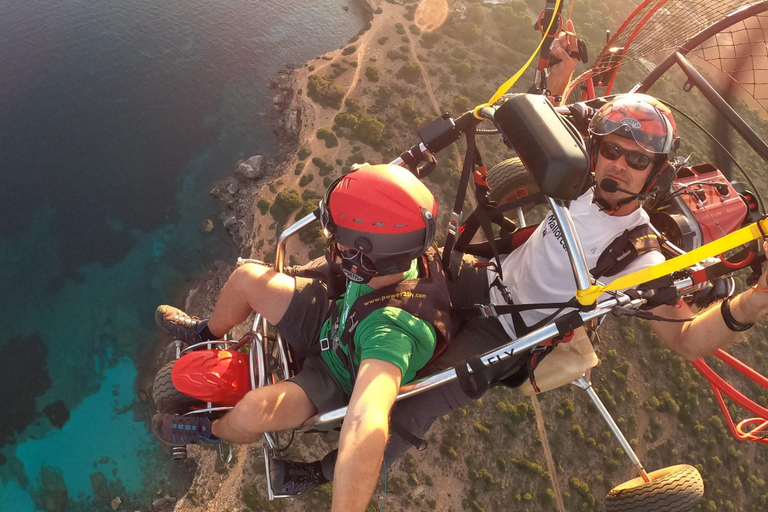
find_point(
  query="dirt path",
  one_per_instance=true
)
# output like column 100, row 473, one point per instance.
column 431, row 93
column 548, row 453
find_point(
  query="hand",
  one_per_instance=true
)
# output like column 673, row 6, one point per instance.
column 560, row 73
column 762, row 282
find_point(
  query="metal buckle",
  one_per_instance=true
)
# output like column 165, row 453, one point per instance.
column 453, row 225
column 325, row 344
column 487, row 310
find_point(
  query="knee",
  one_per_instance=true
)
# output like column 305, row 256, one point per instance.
column 249, row 275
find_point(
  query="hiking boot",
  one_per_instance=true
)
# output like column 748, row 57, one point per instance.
column 178, row 430
column 293, row 478
column 180, row 324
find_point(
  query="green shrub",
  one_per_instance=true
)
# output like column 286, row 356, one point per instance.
column 322, row 133
column 382, row 40
column 263, row 206
column 462, row 70
column 331, row 141
column 346, row 119
column 349, row 50
column 461, row 103
column 324, row 92
column 370, row 130
column 414, row 29
column 410, row 72
column 299, row 168
column 372, row 73
column 306, row 180
column 399, row 28
column 303, row 153
column 286, row 202
column 311, row 233
column 409, row 16
column 327, row 181
column 354, row 106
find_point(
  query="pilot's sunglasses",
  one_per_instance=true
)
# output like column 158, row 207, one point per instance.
column 635, row 159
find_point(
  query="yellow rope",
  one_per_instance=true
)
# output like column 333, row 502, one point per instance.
column 501, row 91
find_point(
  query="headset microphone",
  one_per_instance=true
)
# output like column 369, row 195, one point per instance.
column 611, row 186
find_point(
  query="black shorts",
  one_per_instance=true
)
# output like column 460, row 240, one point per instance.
column 300, row 328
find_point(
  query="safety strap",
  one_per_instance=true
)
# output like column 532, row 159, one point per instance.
column 449, row 263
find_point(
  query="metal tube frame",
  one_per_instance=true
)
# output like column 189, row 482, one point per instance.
column 586, row 385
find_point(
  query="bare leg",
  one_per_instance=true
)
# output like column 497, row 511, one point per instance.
column 277, row 407
column 251, row 287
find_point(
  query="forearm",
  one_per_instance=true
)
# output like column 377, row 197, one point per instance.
column 708, row 331
column 361, row 449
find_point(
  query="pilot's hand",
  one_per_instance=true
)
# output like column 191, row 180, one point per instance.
column 562, row 47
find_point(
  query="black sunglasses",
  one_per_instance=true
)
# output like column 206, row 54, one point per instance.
column 635, row 159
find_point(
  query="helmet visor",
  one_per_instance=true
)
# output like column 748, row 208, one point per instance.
column 638, row 121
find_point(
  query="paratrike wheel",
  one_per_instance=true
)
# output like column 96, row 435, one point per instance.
column 167, row 398
column 509, row 180
column 673, row 489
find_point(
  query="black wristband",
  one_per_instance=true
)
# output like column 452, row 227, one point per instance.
column 730, row 322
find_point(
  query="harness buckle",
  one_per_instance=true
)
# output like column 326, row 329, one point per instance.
column 453, row 225
column 325, row 344
column 487, row 310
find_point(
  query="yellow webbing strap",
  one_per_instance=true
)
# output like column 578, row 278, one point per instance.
column 501, row 91
column 714, row 248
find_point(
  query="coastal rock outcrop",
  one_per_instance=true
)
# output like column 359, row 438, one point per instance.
column 251, row 169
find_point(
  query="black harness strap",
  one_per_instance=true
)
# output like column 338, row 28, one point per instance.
column 474, row 384
column 450, row 262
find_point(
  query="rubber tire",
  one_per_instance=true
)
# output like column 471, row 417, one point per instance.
column 509, row 180
column 168, row 399
column 673, row 489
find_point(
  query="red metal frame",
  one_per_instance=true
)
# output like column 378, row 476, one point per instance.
column 752, row 429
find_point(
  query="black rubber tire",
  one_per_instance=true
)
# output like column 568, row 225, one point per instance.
column 509, row 180
column 167, row 398
column 673, row 489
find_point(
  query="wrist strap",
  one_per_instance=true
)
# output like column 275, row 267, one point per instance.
column 730, row 322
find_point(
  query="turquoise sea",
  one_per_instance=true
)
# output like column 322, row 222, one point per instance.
column 115, row 118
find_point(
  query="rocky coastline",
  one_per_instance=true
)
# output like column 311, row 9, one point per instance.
column 291, row 120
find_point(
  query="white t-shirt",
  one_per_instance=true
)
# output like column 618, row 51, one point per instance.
column 539, row 271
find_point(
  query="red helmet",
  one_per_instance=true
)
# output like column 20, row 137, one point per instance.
column 646, row 121
column 383, row 216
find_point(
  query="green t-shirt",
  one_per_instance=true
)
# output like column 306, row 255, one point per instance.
column 388, row 334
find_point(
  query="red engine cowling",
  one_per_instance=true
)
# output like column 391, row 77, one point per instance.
column 218, row 376
column 705, row 207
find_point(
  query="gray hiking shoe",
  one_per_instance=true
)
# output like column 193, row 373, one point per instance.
column 178, row 430
column 179, row 324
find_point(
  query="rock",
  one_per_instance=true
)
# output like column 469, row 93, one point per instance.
column 233, row 187
column 251, row 169
column 346, row 8
column 207, row 225
column 100, row 488
column 57, row 413
column 228, row 220
column 116, row 503
column 53, row 492
column 164, row 503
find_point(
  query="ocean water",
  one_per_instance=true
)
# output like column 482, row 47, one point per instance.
column 115, row 117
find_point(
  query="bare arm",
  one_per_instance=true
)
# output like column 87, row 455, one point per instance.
column 364, row 435
column 560, row 73
column 708, row 331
